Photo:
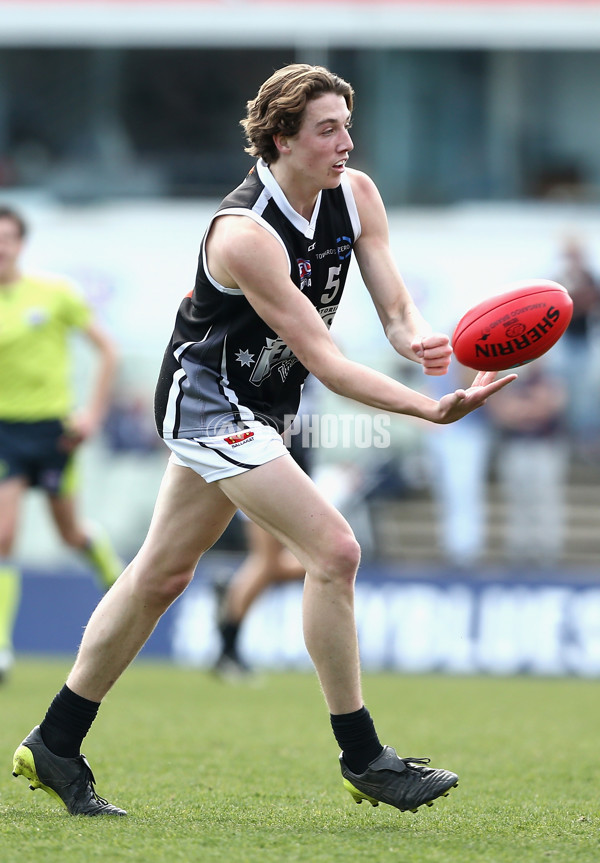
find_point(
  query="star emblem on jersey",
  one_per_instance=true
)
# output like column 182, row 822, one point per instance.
column 244, row 358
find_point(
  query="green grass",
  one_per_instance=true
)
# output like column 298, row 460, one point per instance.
column 240, row 774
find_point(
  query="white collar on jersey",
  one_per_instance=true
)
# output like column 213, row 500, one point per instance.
column 270, row 183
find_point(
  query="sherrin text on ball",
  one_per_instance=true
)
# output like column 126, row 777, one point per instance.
column 513, row 327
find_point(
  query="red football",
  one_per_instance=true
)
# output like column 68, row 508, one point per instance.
column 513, row 327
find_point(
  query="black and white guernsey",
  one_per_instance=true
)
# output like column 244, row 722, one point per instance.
column 224, row 366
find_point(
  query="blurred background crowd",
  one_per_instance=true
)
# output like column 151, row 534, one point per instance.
column 119, row 132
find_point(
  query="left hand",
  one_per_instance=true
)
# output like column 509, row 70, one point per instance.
column 433, row 352
column 78, row 428
column 458, row 404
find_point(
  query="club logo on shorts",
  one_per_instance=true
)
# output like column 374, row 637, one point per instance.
column 240, row 438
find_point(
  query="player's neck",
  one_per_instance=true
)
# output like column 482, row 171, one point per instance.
column 301, row 196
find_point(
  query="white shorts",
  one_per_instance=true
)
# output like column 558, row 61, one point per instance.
column 221, row 456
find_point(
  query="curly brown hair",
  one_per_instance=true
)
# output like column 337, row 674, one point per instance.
column 279, row 106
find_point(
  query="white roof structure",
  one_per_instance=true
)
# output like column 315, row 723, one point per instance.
column 305, row 24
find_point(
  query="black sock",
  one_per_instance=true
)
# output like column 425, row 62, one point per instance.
column 357, row 738
column 229, row 635
column 67, row 721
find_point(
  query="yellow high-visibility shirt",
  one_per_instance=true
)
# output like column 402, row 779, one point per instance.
column 37, row 314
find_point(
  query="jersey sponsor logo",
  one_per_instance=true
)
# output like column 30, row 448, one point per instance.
column 328, row 314
column 325, row 254
column 239, row 438
column 344, row 248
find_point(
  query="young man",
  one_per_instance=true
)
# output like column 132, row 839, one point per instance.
column 38, row 431
column 271, row 271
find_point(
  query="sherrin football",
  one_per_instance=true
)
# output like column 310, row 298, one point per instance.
column 513, row 327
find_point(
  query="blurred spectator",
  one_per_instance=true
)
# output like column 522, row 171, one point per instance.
column 460, row 459
column 129, row 426
column 580, row 346
column 532, row 458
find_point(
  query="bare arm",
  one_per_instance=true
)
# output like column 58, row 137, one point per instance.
column 87, row 421
column 243, row 254
column 406, row 329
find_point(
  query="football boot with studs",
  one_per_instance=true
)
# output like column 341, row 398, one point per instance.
column 405, row 783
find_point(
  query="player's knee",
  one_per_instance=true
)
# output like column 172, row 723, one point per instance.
column 160, row 590
column 343, row 558
column 174, row 585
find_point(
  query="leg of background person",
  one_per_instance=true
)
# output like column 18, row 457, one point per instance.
column 91, row 541
column 10, row 595
column 267, row 562
column 11, row 495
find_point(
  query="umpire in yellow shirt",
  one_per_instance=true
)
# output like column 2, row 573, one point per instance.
column 38, row 431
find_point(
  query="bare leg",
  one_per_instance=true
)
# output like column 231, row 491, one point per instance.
column 280, row 497
column 67, row 521
column 11, row 496
column 188, row 518
column 90, row 541
column 12, row 492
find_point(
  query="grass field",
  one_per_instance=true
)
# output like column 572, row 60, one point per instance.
column 241, row 774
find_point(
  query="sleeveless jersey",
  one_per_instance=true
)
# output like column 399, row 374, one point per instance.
column 224, row 366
